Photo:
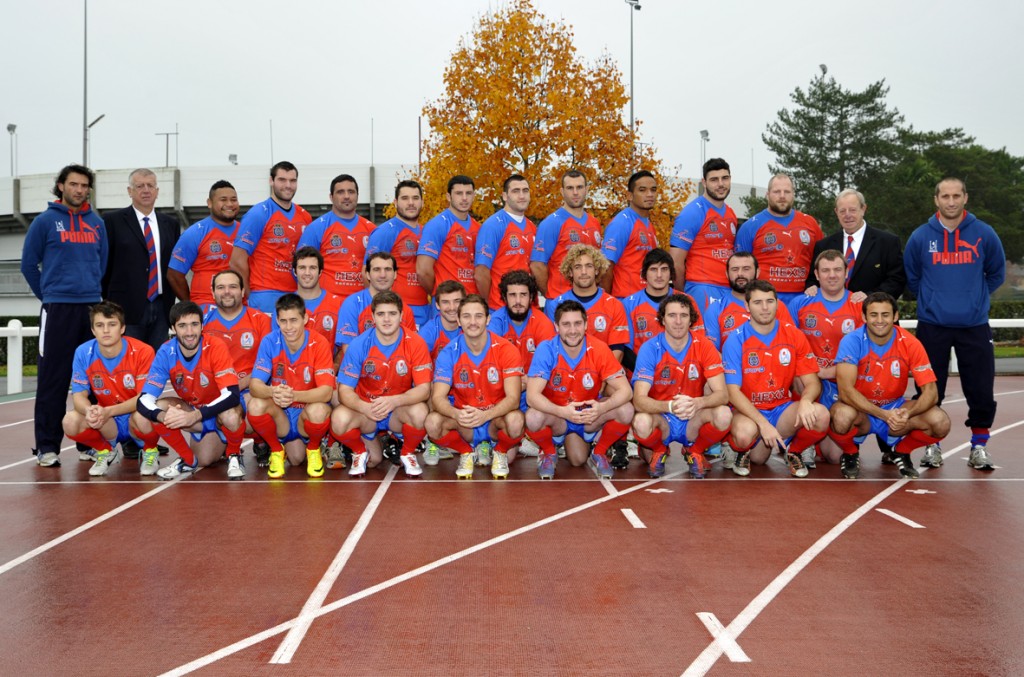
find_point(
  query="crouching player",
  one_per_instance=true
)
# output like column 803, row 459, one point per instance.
column 291, row 386
column 383, row 385
column 483, row 374
column 873, row 365
column 207, row 404
column 668, row 391
column 111, row 369
column 566, row 377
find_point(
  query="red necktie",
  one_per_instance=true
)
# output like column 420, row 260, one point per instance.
column 849, row 258
column 154, row 284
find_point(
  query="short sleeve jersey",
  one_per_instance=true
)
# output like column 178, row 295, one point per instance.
column 374, row 370
column 205, row 249
column 783, row 246
column 765, row 366
column 355, row 317
column 322, row 315
column 574, row 379
column 556, row 235
column 883, row 371
column 642, row 313
column 477, row 380
column 309, row 367
column 606, row 316
column 525, row 336
column 627, row 239
column 503, row 245
column 197, row 380
column 402, row 241
column 242, row 335
column 113, row 380
column 707, row 234
column 342, row 242
column 825, row 323
column 269, row 234
column 672, row 373
column 451, row 242
column 436, row 336
column 722, row 318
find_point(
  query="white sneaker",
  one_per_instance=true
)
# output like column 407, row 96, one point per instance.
column 48, row 459
column 432, row 454
column 150, row 461
column 932, row 456
column 178, row 467
column 103, row 461
column 979, row 458
column 87, row 455
column 358, row 467
column 465, row 469
column 483, row 453
column 808, row 457
column 528, row 447
column 236, row 471
column 728, row 456
column 499, row 465
column 412, row 468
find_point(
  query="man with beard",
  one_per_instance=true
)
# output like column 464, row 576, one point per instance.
column 321, row 305
column 341, row 237
column 782, row 239
column 62, row 259
column 206, row 401
column 266, row 240
column 505, row 240
column 726, row 315
column 569, row 225
column 205, row 247
column 356, row 315
column 400, row 236
column 448, row 241
column 583, row 266
column 444, row 326
column 629, row 236
column 241, row 329
column 703, row 236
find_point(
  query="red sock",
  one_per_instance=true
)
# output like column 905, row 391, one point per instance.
column 265, row 427
column 149, row 441
column 234, row 438
column 315, row 432
column 411, row 438
column 845, row 441
column 805, row 437
column 736, row 447
column 176, row 440
column 453, row 440
column 611, row 432
column 913, row 440
column 654, row 441
column 505, row 442
column 543, row 439
column 93, row 438
column 707, row 436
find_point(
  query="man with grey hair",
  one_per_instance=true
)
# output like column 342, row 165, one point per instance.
column 874, row 258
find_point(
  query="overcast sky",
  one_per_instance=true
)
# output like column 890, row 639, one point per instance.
column 222, row 69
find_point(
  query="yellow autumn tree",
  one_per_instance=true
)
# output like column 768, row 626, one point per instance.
column 518, row 99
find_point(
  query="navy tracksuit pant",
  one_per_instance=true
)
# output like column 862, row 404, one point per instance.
column 976, row 361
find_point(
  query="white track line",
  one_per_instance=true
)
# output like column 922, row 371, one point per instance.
column 290, row 644
column 707, row 658
column 900, row 518
column 31, row 459
column 401, row 578
column 732, row 650
column 633, row 519
column 8, row 425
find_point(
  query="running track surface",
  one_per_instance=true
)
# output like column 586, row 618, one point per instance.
column 766, row 575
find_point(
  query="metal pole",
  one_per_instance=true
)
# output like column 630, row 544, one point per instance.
column 271, row 142
column 85, row 82
column 632, row 126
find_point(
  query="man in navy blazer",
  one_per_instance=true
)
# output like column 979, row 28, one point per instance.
column 126, row 279
column 877, row 255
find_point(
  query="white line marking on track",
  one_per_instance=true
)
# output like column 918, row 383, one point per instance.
column 8, row 425
column 707, row 658
column 732, row 650
column 900, row 518
column 963, row 399
column 633, row 519
column 243, row 644
column 31, row 459
column 290, row 644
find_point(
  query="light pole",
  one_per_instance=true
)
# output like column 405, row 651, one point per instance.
column 634, row 5
column 11, row 128
column 704, row 137
column 88, row 127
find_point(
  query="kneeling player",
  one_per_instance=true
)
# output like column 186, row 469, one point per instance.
column 563, row 390
column 873, row 365
column 668, row 391
column 383, row 385
column 291, row 386
column 111, row 369
column 207, row 404
column 483, row 374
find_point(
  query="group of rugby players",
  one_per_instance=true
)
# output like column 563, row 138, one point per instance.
column 336, row 342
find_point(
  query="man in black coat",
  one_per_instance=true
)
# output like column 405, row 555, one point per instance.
column 876, row 256
column 146, row 297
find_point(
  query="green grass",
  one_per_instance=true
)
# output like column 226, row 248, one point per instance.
column 27, row 370
column 1009, row 351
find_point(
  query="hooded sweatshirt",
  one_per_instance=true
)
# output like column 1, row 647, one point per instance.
column 65, row 254
column 953, row 273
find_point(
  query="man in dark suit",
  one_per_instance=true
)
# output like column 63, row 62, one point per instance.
column 134, row 232
column 874, row 257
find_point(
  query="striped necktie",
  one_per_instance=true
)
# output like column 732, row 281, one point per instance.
column 849, row 258
column 154, row 283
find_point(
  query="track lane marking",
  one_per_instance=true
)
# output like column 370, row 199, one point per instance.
column 633, row 519
column 732, row 650
column 900, row 518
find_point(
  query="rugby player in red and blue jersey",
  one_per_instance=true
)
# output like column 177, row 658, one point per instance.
column 569, row 225
column 723, row 316
column 356, row 315
column 505, row 240
column 629, row 236
column 448, row 242
column 205, row 247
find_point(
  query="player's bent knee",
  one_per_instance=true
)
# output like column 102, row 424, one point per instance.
column 534, row 420
column 721, row 418
column 258, row 406
column 643, row 425
column 317, row 412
